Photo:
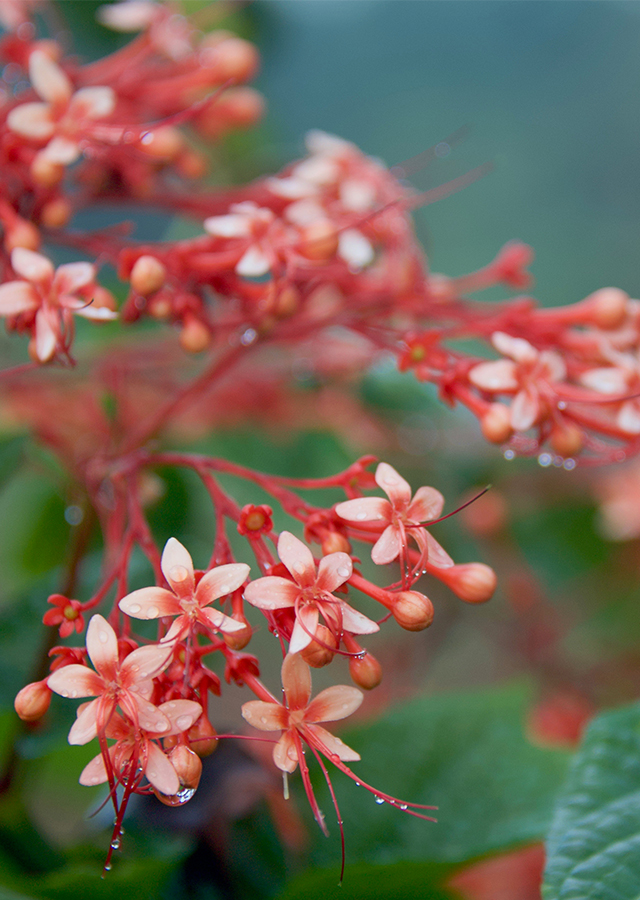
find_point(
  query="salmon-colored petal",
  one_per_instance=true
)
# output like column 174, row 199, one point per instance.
column 61, row 150
column 304, row 628
column 395, row 487
column 95, row 772
column 17, row 297
column 213, row 618
column 296, row 681
column 254, row 263
column 517, row 348
column 181, row 714
column 271, row 592
column 553, row 365
column 628, row 419
column 93, row 102
column 76, row 681
column 366, row 509
column 387, row 547
column 501, row 375
column 46, row 336
column 160, row 772
column 70, row 277
column 355, row 622
column 334, row 703
column 85, row 727
column 285, row 754
column 97, row 313
column 297, row 558
column 334, row 570
column 426, row 505
column 355, row 249
column 265, row 716
column 48, row 79
column 150, row 603
column 178, row 630
column 437, row 555
column 330, row 744
column 525, row 409
column 144, row 663
column 177, row 567
column 144, row 714
column 611, row 380
column 102, row 647
column 229, row 226
column 32, row 120
column 221, row 581
column 135, row 15
column 32, row 266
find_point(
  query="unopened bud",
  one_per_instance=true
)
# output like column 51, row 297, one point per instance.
column 608, row 307
column 472, row 582
column 56, row 213
column 365, row 671
column 195, row 336
column 318, row 241
column 240, row 107
column 412, row 610
column 159, row 306
column 317, row 655
column 496, row 423
column 187, row 764
column 334, row 542
column 191, row 164
column 33, row 701
column 164, row 143
column 202, row 736
column 21, row 234
column 147, row 275
column 46, row 173
column 238, row 640
column 567, row 439
column 231, row 58
column 286, row 302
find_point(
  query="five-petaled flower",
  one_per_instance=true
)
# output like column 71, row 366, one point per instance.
column 51, row 295
column 398, row 518
column 65, row 613
column 127, row 684
column 187, row 600
column 299, row 719
column 309, row 594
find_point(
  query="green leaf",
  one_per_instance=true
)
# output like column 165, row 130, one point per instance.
column 593, row 848
column 395, row 882
column 465, row 753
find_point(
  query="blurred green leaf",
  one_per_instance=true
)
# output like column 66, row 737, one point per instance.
column 593, row 848
column 394, row 882
column 445, row 750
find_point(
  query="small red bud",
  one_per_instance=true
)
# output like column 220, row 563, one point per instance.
column 496, row 423
column 412, row 610
column 33, row 701
column 365, row 671
column 148, row 275
column 315, row 654
column 472, row 582
column 56, row 213
column 567, row 439
column 238, row 640
column 334, row 542
column 608, row 307
column 195, row 336
column 318, row 241
column 202, row 736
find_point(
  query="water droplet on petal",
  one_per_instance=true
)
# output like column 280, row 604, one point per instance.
column 152, row 612
column 361, row 516
column 134, row 609
column 161, row 726
column 183, row 722
column 379, row 800
column 299, row 568
column 343, row 572
column 263, row 719
column 103, row 637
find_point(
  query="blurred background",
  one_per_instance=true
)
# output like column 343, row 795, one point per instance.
column 550, row 93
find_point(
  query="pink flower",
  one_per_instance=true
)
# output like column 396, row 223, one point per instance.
column 127, row 685
column 131, row 744
column 309, row 594
column 298, row 718
column 249, row 223
column 66, row 613
column 186, row 600
column 621, row 379
column 52, row 294
column 397, row 518
column 528, row 374
column 65, row 118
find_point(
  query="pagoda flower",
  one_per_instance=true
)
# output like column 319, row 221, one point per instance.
column 127, row 684
column 309, row 594
column 622, row 378
column 398, row 518
column 64, row 120
column 141, row 746
column 51, row 295
column 249, row 222
column 528, row 375
column 186, row 599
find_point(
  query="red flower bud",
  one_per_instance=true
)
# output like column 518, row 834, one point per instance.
column 33, row 701
column 412, row 610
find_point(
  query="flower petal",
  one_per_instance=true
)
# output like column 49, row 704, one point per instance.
column 387, row 547
column 611, row 380
column 144, row 713
column 254, row 262
column 272, row 592
column 181, row 714
column 426, row 505
column 32, row 120
column 355, row 249
column 285, row 753
column 296, row 681
column 48, row 79
column 628, row 419
column 355, row 621
column 297, row 558
column 76, row 681
column 102, row 646
column 144, row 663
column 334, row 703
column 525, row 409
column 61, row 150
column 46, row 336
column 365, row 509
column 93, row 102
column 32, row 266
column 516, row 348
column 85, row 727
column 213, row 618
column 334, row 570
column 95, row 772
column 150, row 603
column 330, row 743
column 304, row 628
column 177, row 567
column 160, row 772
column 17, row 297
column 501, row 375
column 437, row 555
column 265, row 716
column 228, row 226
column 395, row 487
column 221, row 581
column 70, row 277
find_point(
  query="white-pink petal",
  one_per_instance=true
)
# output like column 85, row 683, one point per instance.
column 160, row 772
column 355, row 249
column 75, row 681
column 95, row 772
column 437, row 555
column 150, row 603
column 334, row 570
column 229, row 226
column 181, row 714
column 304, row 628
column 501, row 375
column 177, row 566
column 144, row 663
column 130, row 15
column 46, row 336
column 70, row 277
column 271, row 592
column 61, row 150
column 332, row 745
column 387, row 547
column 365, row 509
column 148, row 716
column 356, row 622
column 17, row 297
column 221, row 581
column 296, row 681
column 525, row 409
column 336, row 702
column 254, row 262
column 93, row 102
column 216, row 619
column 85, row 727
column 628, row 419
column 297, row 558
column 516, row 348
column 97, row 313
column 285, row 754
column 102, row 647
column 48, row 79
column 610, row 380
column 426, row 505
column 393, row 484
column 32, row 120
column 32, row 266
column 265, row 716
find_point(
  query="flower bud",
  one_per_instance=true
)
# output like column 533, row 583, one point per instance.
column 147, row 275
column 318, row 241
column 33, row 701
column 202, row 736
column 567, row 439
column 187, row 764
column 195, row 336
column 191, row 164
column 45, row 173
column 608, row 307
column 365, row 671
column 21, row 233
column 412, row 610
column 472, row 582
column 56, row 213
column 231, row 58
column 238, row 640
column 496, row 423
column 286, row 302
column 316, row 654
column 164, row 144
column 334, row 542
